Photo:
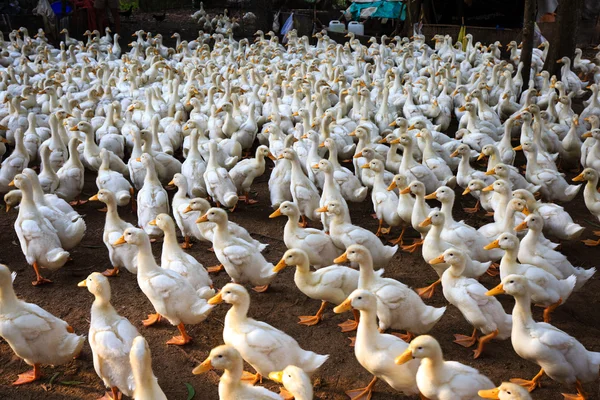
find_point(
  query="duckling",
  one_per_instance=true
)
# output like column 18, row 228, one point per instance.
column 506, row 391
column 398, row 306
column 218, row 182
column 559, row 355
column 295, row 381
column 384, row 201
column 331, row 284
column 152, row 199
column 173, row 258
column 245, row 171
column 376, row 351
column 110, row 337
column 145, row 383
column 318, row 246
column 231, row 384
column 557, row 221
column 264, row 347
column 304, row 192
column 344, row 234
column 38, row 238
column 34, row 334
column 440, row 379
column 242, row 260
column 120, row 256
column 113, row 181
column 547, row 290
column 171, row 295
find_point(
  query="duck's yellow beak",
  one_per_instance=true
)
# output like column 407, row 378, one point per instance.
column 152, row 223
column 271, row 156
column 171, row 183
column 489, row 394
column 404, row 357
column 406, row 190
column 94, row 197
column 579, row 178
column 345, row 306
column 188, row 209
column 462, row 109
column 280, row 265
column 322, row 209
column 480, row 156
column 488, row 188
column 438, row 260
column 341, row 259
column 395, row 141
column 358, row 155
column 426, row 222
column 587, row 135
column 491, row 171
column 496, row 291
column 120, row 241
column 216, row 299
column 322, row 144
column 393, row 123
column 73, row 128
column 518, row 148
column 526, row 211
column 353, row 133
column 281, row 156
column 366, row 166
column 431, row 196
column 139, row 159
column 82, row 283
column 410, row 128
column 202, row 368
column 521, row 227
column 276, row 376
column 466, row 192
column 392, row 186
column 454, row 153
column 276, row 213
column 494, row 245
column 316, row 166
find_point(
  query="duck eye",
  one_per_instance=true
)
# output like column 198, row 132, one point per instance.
column 220, row 356
column 420, row 348
column 512, row 282
column 360, row 297
column 508, row 393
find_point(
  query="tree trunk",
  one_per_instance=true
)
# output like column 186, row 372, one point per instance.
column 564, row 38
column 527, row 40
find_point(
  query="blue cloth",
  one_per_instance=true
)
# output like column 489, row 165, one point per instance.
column 378, row 9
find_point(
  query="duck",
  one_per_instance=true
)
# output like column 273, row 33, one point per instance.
column 246, row 171
column 186, row 221
column 384, row 201
column 553, row 184
column 171, row 295
column 590, row 194
column 345, row 234
column 440, row 379
column 33, row 334
column 113, row 181
column 91, row 151
column 304, row 192
column 559, row 355
column 242, row 260
column 398, row 306
column 16, row 162
column 295, row 381
column 468, row 295
column 465, row 172
column 218, row 181
column 350, row 186
column 548, row 259
column 48, row 178
column 264, row 347
column 120, row 256
column 413, row 170
column 318, row 245
column 557, row 221
column 513, row 215
column 193, row 168
column 173, row 258
column 376, row 351
column 332, row 284
column 152, row 199
column 437, row 164
column 510, row 174
column 110, row 337
column 331, row 192
column 71, row 175
column 506, row 391
column 38, row 238
column 145, row 382
column 280, row 179
column 406, row 204
column 547, row 290
column 231, row 383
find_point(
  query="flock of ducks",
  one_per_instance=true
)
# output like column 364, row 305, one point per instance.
column 339, row 121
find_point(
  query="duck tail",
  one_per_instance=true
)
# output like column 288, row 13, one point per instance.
column 311, row 361
column 573, row 230
column 431, row 316
column 583, row 275
column 360, row 194
column 72, row 345
column 567, row 286
column 231, row 198
column 572, row 191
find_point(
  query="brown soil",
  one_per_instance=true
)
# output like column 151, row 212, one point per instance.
column 279, row 306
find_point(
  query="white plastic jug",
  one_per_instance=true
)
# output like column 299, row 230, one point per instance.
column 336, row 26
column 356, row 27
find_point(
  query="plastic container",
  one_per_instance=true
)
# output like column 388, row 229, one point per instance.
column 336, row 26
column 356, row 27
column 57, row 8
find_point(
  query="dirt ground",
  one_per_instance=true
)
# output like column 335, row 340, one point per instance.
column 279, row 306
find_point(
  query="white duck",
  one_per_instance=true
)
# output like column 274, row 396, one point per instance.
column 146, row 385
column 295, row 381
column 506, row 391
column 384, row 201
column 152, row 199
column 71, row 175
column 218, row 182
column 113, row 181
column 34, row 334
column 245, row 171
column 590, row 194
column 16, row 162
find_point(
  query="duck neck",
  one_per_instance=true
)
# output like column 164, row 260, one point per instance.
column 367, row 328
column 447, row 210
column 8, row 298
column 233, row 375
column 366, row 276
column 522, row 311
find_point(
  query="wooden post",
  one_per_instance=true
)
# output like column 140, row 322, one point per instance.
column 564, row 38
column 527, row 40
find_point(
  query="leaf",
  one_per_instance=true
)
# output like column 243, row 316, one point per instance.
column 71, row 383
column 53, row 378
column 191, row 391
